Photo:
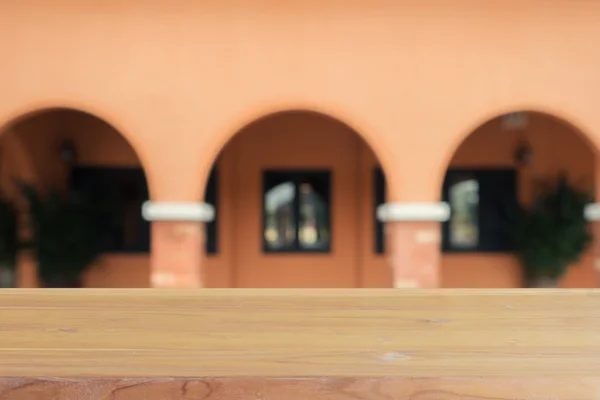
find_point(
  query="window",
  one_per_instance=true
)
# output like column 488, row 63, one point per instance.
column 482, row 204
column 379, row 195
column 296, row 208
column 123, row 190
column 212, row 198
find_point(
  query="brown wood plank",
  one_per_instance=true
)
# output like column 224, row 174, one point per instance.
column 299, row 333
column 303, row 389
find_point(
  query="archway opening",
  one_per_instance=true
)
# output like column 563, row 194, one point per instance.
column 72, row 158
column 295, row 195
column 496, row 169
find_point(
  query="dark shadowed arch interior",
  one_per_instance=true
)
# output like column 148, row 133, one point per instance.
column 73, row 153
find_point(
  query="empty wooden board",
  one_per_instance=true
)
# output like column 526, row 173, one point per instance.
column 296, row 344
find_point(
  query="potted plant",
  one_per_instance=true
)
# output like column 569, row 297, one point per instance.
column 552, row 234
column 66, row 233
column 8, row 243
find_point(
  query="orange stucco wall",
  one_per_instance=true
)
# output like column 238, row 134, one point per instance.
column 414, row 78
column 179, row 79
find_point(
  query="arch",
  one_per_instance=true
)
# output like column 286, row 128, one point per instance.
column 103, row 149
column 482, row 161
column 311, row 151
column 561, row 117
column 20, row 113
column 261, row 112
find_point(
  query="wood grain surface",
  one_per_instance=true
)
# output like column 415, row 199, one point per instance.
column 510, row 334
column 302, row 389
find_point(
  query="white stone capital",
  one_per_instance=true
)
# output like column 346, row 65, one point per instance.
column 392, row 212
column 591, row 212
column 177, row 211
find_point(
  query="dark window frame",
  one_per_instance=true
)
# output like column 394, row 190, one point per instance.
column 83, row 173
column 297, row 176
column 211, row 243
column 491, row 180
column 379, row 195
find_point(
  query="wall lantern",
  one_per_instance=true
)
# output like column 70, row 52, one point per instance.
column 67, row 152
column 523, row 154
column 519, row 121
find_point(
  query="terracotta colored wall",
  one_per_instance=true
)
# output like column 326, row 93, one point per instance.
column 414, row 78
column 376, row 271
column 296, row 141
column 374, row 65
column 556, row 147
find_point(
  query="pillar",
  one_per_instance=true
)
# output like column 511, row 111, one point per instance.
column 592, row 214
column 26, row 274
column 177, row 247
column 413, row 236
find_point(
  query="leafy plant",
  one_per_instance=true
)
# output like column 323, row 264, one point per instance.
column 67, row 231
column 553, row 233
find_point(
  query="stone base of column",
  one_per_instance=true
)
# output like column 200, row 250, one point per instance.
column 177, row 254
column 596, row 249
column 177, row 242
column 592, row 214
column 414, row 251
column 27, row 268
column 413, row 236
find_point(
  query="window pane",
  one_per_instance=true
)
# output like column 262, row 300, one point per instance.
column 464, row 222
column 211, row 198
column 119, row 192
column 280, row 216
column 131, row 198
column 379, row 195
column 497, row 208
column 314, row 219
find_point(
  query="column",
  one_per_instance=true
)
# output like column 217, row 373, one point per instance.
column 413, row 234
column 592, row 214
column 177, row 248
column 26, row 274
